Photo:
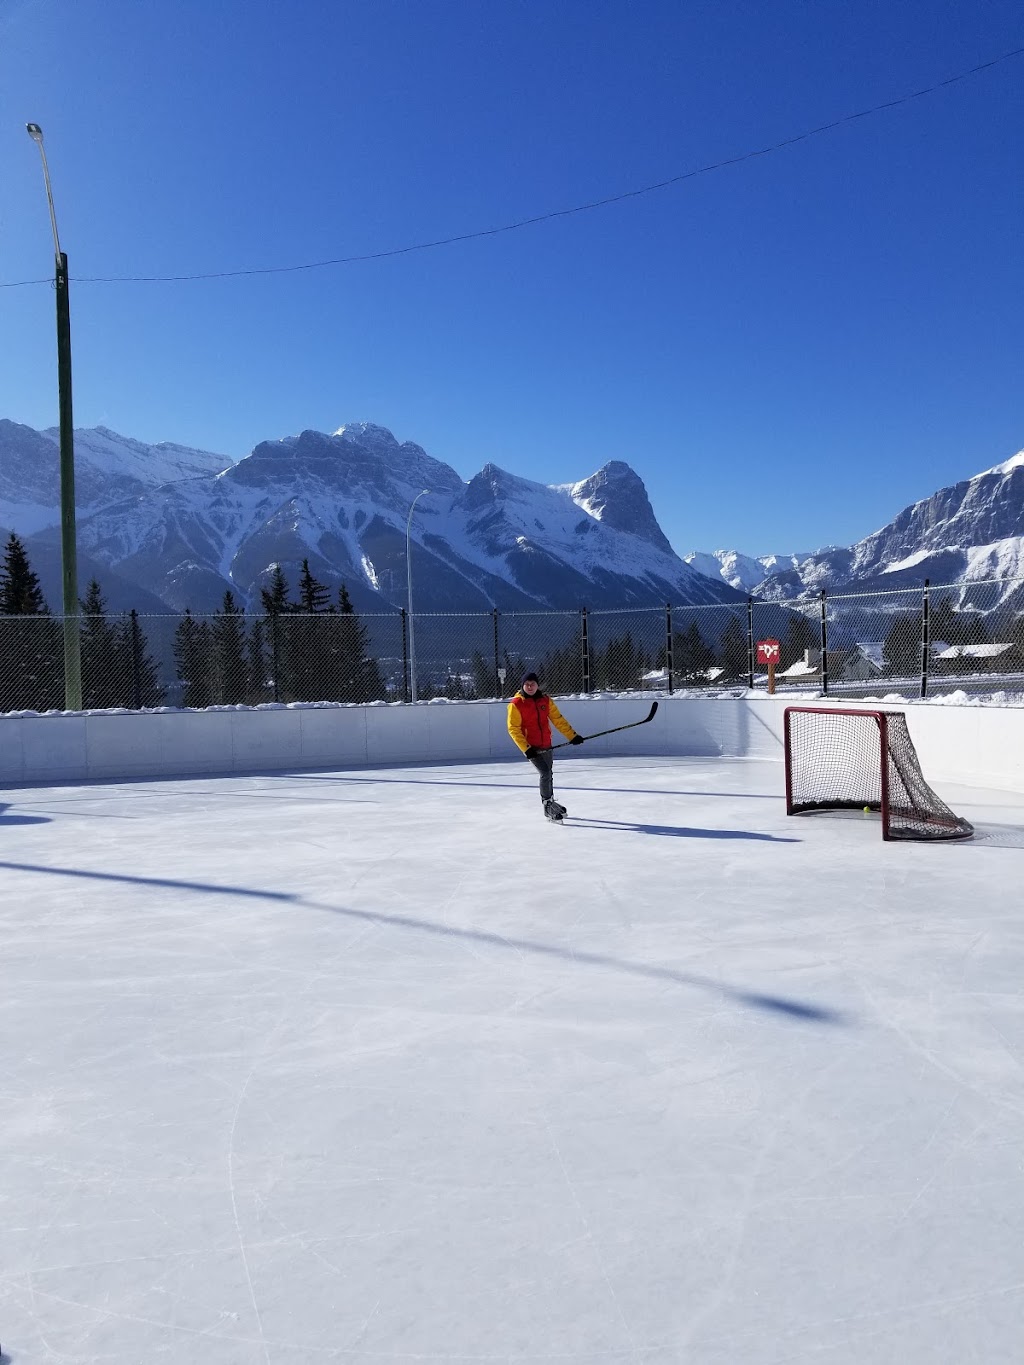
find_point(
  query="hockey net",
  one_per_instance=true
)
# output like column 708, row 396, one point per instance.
column 849, row 760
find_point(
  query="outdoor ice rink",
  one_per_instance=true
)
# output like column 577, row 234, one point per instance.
column 377, row 1066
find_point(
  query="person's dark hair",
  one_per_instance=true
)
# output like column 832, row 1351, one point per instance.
column 531, row 677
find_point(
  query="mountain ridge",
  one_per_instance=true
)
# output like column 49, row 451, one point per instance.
column 341, row 501
column 965, row 533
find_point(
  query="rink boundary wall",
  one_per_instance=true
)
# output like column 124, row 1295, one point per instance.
column 978, row 746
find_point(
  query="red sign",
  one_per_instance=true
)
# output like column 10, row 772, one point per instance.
column 767, row 651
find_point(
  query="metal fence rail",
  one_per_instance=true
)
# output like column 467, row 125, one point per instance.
column 925, row 641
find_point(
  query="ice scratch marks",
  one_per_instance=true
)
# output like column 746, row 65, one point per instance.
column 234, row 1209
column 634, row 1349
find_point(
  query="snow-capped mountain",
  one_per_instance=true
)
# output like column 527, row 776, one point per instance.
column 342, row 501
column 108, row 468
column 742, row 571
column 961, row 535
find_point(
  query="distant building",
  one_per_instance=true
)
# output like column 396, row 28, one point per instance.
column 857, row 663
column 995, row 657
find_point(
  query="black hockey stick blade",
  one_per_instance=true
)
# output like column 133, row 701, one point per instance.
column 615, row 728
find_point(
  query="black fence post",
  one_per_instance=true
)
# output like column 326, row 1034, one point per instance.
column 668, row 644
column 406, row 694
column 586, row 650
column 750, row 643
column 136, row 661
column 497, row 676
column 926, row 641
column 824, row 646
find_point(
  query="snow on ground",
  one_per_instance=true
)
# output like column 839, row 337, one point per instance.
column 377, row 1066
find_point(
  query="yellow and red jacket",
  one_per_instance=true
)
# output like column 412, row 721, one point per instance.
column 530, row 720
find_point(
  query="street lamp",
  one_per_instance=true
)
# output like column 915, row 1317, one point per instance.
column 68, row 539
column 408, row 566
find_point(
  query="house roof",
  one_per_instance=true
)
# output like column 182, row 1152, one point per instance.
column 989, row 651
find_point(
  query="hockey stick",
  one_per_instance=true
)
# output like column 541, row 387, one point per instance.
column 613, row 731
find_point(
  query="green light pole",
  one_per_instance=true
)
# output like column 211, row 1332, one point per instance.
column 68, row 537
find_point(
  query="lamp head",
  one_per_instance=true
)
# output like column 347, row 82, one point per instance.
column 35, row 132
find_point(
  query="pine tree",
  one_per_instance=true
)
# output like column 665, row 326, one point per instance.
column 145, row 682
column 616, row 670
column 484, row 681
column 275, row 598
column 278, row 608
column 901, row 649
column 801, row 635
column 256, row 664
column 20, row 593
column 192, row 651
column 955, row 627
column 691, row 657
column 357, row 672
column 733, row 655
column 31, row 649
column 312, row 665
column 229, row 667
column 562, row 669
column 106, row 665
column 313, row 596
column 514, row 667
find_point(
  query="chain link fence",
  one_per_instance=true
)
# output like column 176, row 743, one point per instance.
column 911, row 641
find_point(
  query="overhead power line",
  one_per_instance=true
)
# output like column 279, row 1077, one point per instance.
column 542, row 217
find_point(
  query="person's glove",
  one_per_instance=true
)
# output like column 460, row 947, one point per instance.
column 576, row 739
column 531, row 750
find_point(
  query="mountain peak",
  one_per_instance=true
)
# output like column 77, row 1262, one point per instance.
column 616, row 495
column 368, row 433
column 1007, row 467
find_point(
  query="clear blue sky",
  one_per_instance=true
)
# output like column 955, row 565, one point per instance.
column 788, row 350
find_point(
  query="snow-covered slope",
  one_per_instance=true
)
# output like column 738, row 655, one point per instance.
column 969, row 532
column 108, row 469
column 342, row 501
column 743, row 572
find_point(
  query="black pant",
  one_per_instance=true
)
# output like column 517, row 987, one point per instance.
column 544, row 763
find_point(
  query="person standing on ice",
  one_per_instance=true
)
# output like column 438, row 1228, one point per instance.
column 531, row 713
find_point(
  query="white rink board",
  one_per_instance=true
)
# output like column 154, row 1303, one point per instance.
column 976, row 745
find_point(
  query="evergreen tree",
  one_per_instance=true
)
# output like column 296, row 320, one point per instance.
column 278, row 608
column 192, row 651
column 313, row 596
column 257, row 690
column 801, row 635
column 484, row 682
column 691, row 657
column 617, row 670
column 229, row 666
column 514, row 667
column 106, row 665
column 901, row 648
column 275, row 598
column 145, row 683
column 732, row 654
column 946, row 623
column 357, row 672
column 31, row 647
column 312, row 662
column 562, row 669
column 20, row 593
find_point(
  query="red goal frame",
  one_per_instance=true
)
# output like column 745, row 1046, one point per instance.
column 922, row 815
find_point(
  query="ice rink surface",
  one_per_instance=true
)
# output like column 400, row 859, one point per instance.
column 378, row 1066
